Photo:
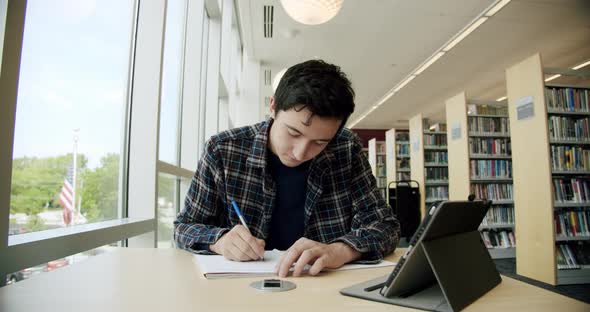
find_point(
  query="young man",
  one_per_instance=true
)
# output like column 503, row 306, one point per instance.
column 300, row 180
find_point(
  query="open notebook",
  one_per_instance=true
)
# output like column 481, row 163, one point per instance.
column 215, row 266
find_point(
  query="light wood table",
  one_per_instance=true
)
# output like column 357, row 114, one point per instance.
column 145, row 280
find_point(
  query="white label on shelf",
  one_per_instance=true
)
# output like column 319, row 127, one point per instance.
column 525, row 108
column 456, row 131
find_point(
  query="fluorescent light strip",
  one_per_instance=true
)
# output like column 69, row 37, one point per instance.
column 429, row 62
column 581, row 65
column 552, row 77
column 404, row 83
column 385, row 98
column 499, row 5
column 501, row 99
column 465, row 33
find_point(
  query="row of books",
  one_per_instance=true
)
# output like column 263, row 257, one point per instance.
column 567, row 99
column 498, row 239
column 490, row 146
column 403, row 163
column 435, row 139
column 381, row 148
column 439, row 126
column 574, row 190
column 572, row 255
column 437, row 173
column 491, row 168
column 489, row 125
column 436, row 157
column 381, row 171
column 499, row 215
column 437, row 192
column 493, row 191
column 569, row 158
column 572, row 223
column 403, row 149
column 380, row 160
column 474, row 109
column 381, row 182
column 569, row 128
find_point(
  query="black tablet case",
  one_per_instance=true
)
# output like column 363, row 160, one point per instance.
column 446, row 267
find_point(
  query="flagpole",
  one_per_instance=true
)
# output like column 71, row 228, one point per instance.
column 75, row 158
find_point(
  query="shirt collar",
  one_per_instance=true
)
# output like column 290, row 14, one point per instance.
column 257, row 156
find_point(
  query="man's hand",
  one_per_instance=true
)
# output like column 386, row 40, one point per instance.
column 318, row 255
column 239, row 245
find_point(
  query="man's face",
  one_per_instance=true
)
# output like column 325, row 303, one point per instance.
column 297, row 136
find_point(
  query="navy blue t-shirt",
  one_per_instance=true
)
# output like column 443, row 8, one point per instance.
column 286, row 225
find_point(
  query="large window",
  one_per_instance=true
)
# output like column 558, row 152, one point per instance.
column 171, row 97
column 170, row 122
column 71, row 114
column 109, row 121
column 3, row 7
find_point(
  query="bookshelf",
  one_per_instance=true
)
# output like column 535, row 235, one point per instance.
column 377, row 157
column 428, row 160
column 551, row 178
column 398, row 155
column 479, row 148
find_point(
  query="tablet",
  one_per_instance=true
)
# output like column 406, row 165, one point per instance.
column 445, row 267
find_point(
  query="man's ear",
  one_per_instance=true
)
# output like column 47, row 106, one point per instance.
column 273, row 106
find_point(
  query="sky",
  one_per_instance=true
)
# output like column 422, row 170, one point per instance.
column 74, row 75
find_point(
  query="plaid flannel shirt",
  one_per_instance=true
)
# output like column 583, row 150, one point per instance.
column 342, row 203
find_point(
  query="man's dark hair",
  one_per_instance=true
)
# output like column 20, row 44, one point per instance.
column 319, row 86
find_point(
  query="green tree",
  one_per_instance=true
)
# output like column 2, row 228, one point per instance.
column 100, row 190
column 36, row 182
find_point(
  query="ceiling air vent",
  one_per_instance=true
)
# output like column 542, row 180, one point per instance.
column 267, row 76
column 268, row 20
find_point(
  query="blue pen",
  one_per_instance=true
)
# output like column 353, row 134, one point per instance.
column 237, row 210
column 241, row 217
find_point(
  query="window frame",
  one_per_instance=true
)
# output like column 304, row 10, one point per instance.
column 25, row 250
column 140, row 164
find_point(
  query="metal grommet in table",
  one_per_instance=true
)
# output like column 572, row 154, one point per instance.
column 273, row 285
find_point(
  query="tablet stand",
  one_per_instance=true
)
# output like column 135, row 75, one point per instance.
column 462, row 271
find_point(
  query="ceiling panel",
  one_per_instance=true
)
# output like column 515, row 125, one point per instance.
column 377, row 43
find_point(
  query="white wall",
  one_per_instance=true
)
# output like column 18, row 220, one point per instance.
column 248, row 111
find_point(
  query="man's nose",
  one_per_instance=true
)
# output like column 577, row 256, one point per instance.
column 299, row 151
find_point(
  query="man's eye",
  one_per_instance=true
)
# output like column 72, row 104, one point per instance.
column 321, row 143
column 293, row 133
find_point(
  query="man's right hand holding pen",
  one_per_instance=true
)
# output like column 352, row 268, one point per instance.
column 239, row 245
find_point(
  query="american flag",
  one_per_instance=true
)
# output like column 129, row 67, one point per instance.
column 66, row 197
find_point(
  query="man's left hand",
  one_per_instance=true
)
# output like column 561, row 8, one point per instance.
column 306, row 251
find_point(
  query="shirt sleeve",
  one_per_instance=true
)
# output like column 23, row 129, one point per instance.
column 374, row 230
column 200, row 223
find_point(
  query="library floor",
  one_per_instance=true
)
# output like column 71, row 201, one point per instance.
column 580, row 292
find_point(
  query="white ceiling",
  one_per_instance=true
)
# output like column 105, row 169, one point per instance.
column 378, row 43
